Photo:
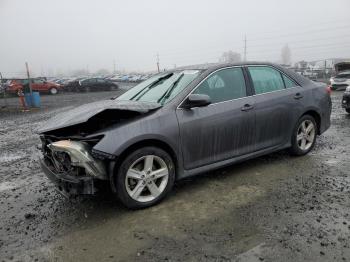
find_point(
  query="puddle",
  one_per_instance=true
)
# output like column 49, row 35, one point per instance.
column 6, row 186
column 10, row 157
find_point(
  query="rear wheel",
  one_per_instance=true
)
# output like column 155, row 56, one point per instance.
column 348, row 110
column 145, row 177
column 53, row 91
column 304, row 136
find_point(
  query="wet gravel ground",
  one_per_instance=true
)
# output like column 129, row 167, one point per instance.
column 273, row 208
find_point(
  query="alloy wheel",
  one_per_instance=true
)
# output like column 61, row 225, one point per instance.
column 147, row 178
column 306, row 135
column 53, row 91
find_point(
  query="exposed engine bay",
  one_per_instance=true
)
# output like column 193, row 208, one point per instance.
column 69, row 150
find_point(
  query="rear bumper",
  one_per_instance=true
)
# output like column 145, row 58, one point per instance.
column 69, row 185
column 345, row 103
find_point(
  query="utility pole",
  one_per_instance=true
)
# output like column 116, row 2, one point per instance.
column 325, row 68
column 158, row 62
column 245, row 48
column 30, row 84
column 1, row 83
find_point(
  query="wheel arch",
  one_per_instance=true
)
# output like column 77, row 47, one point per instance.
column 139, row 144
column 316, row 116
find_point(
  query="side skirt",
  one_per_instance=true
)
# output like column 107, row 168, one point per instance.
column 228, row 162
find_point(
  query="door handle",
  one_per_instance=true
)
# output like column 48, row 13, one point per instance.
column 298, row 96
column 247, row 107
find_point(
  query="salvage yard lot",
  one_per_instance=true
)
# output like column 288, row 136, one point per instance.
column 276, row 207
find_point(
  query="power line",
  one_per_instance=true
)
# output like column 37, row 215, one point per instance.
column 334, row 21
column 304, row 32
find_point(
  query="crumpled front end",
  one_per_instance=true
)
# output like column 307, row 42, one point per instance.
column 71, row 166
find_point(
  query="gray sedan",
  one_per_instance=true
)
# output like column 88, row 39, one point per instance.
column 181, row 123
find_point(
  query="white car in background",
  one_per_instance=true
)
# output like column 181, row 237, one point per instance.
column 341, row 81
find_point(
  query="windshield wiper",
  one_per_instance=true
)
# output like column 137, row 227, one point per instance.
column 168, row 92
column 149, row 87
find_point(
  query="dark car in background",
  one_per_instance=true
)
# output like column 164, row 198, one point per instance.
column 346, row 100
column 96, row 84
column 181, row 123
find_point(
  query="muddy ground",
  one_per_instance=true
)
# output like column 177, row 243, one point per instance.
column 274, row 208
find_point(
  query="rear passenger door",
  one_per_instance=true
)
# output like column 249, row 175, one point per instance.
column 275, row 106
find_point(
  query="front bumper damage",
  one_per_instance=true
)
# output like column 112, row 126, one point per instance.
column 69, row 185
column 75, row 173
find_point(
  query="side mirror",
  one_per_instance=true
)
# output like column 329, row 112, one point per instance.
column 196, row 100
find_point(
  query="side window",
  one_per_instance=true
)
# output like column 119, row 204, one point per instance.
column 265, row 79
column 226, row 84
column 288, row 82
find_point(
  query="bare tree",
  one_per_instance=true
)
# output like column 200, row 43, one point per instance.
column 230, row 57
column 286, row 55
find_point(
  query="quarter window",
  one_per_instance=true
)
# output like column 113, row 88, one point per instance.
column 265, row 79
column 226, row 84
column 288, row 82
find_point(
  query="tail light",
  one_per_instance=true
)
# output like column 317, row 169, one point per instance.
column 329, row 89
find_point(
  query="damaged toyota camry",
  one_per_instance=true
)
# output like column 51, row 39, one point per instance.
column 181, row 123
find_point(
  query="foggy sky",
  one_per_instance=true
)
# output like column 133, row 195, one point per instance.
column 57, row 36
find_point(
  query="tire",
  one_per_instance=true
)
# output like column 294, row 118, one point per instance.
column 347, row 110
column 303, row 140
column 134, row 188
column 53, row 91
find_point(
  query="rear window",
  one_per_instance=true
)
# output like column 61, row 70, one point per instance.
column 265, row 79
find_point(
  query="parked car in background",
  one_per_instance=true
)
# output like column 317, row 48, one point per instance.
column 181, row 123
column 125, row 78
column 116, row 78
column 72, row 84
column 135, row 78
column 96, row 84
column 346, row 99
column 39, row 85
column 310, row 74
column 144, row 77
column 341, row 81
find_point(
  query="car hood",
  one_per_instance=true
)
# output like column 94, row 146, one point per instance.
column 83, row 113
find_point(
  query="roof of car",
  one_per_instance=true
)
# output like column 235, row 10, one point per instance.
column 214, row 66
column 220, row 65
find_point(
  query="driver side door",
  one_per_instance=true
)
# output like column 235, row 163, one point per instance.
column 223, row 129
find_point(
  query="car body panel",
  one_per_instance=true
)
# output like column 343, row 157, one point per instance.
column 216, row 132
column 83, row 113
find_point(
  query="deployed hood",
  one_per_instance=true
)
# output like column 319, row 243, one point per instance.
column 83, row 113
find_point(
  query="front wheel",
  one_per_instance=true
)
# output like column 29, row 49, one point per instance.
column 145, row 177
column 53, row 91
column 304, row 136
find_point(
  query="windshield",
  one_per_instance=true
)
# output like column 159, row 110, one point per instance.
column 160, row 88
